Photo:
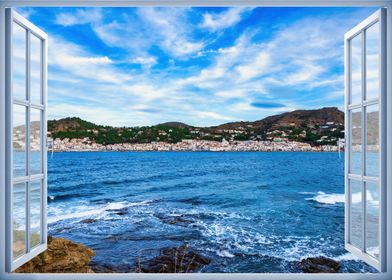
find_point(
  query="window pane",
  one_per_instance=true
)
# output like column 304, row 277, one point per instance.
column 356, row 70
column 35, row 70
column 19, row 62
column 35, row 213
column 19, row 140
column 356, row 213
column 372, row 219
column 372, row 61
column 356, row 142
column 19, row 219
column 372, row 140
column 35, row 142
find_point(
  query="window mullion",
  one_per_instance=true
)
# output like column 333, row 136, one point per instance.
column 363, row 159
column 28, row 143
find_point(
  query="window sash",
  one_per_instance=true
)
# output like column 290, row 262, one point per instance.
column 360, row 251
column 28, row 179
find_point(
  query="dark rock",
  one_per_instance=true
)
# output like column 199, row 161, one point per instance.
column 120, row 212
column 176, row 220
column 88, row 221
column 175, row 260
column 180, row 220
column 319, row 265
column 109, row 268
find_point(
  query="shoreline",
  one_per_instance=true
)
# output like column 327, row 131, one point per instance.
column 66, row 256
column 86, row 145
column 185, row 151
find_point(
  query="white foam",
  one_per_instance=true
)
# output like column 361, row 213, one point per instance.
column 225, row 254
column 334, row 198
column 346, row 257
column 83, row 211
column 324, row 198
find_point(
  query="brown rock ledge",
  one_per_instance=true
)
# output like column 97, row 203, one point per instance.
column 62, row 256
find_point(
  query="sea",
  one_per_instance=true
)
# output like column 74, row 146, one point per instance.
column 248, row 212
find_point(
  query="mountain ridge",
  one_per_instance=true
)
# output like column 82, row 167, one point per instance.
column 299, row 125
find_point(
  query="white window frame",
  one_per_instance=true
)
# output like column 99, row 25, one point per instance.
column 14, row 18
column 201, row 3
column 380, row 179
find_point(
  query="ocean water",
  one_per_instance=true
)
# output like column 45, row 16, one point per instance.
column 247, row 212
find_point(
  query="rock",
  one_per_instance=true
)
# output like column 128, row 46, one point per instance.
column 62, row 256
column 319, row 265
column 88, row 221
column 180, row 220
column 120, row 212
column 176, row 220
column 175, row 260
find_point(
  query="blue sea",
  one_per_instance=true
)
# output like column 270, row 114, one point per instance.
column 247, row 212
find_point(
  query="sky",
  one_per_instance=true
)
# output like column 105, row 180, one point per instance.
column 200, row 66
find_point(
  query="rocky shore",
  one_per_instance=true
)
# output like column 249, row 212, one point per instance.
column 62, row 256
column 65, row 256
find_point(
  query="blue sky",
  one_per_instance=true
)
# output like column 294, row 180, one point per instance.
column 201, row 66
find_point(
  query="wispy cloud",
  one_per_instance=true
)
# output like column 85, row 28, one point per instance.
column 79, row 16
column 225, row 19
column 142, row 66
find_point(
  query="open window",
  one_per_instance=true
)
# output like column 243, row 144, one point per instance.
column 365, row 172
column 365, row 156
column 26, row 144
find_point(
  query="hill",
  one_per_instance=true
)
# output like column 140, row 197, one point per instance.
column 321, row 126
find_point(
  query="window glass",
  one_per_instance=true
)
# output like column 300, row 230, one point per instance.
column 356, row 213
column 373, row 61
column 19, row 140
column 35, row 70
column 372, row 140
column 356, row 70
column 35, row 142
column 19, row 219
column 356, row 142
column 35, row 213
column 19, row 62
column 372, row 219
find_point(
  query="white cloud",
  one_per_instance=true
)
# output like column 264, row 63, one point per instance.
column 235, row 93
column 212, row 115
column 256, row 67
column 80, row 16
column 288, row 63
column 228, row 18
column 171, row 30
column 147, row 61
column 74, row 59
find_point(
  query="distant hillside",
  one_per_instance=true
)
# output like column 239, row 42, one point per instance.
column 321, row 126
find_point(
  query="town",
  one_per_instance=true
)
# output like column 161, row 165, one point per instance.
column 85, row 144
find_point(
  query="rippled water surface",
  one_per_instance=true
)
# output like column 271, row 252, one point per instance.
column 247, row 212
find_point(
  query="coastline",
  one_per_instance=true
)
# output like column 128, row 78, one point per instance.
column 66, row 256
column 86, row 145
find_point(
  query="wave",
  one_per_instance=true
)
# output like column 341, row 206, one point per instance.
column 324, row 198
column 346, row 257
column 224, row 254
column 334, row 198
column 88, row 211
